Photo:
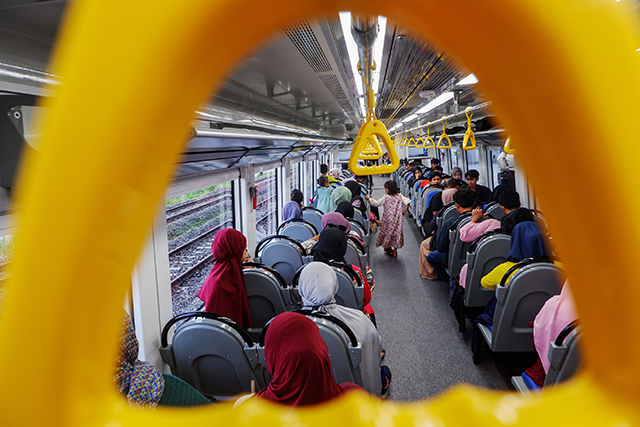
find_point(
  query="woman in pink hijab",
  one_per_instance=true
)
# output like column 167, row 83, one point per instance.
column 224, row 291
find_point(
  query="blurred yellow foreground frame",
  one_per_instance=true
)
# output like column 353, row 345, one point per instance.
column 558, row 72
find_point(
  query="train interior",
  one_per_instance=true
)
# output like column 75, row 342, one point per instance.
column 296, row 103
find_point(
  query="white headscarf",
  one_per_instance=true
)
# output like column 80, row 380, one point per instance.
column 337, row 173
column 317, row 286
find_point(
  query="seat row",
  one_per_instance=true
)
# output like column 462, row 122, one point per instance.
column 531, row 283
column 221, row 360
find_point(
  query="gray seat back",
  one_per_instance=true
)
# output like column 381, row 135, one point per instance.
column 457, row 255
column 564, row 358
column 300, row 230
column 449, row 212
column 495, row 211
column 344, row 353
column 490, row 252
column 282, row 254
column 425, row 196
column 355, row 254
column 348, row 295
column 520, row 301
column 268, row 296
column 313, row 216
column 214, row 357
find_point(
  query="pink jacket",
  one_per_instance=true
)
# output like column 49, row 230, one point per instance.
column 470, row 232
column 553, row 317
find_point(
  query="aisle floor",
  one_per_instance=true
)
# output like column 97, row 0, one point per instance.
column 424, row 350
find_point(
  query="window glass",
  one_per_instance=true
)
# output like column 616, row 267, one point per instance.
column 267, row 203
column 6, row 250
column 495, row 170
column 193, row 219
column 473, row 161
column 294, row 175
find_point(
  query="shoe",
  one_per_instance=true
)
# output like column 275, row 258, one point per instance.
column 388, row 251
column 395, row 252
column 386, row 381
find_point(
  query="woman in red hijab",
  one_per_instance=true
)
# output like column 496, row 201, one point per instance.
column 298, row 361
column 224, row 291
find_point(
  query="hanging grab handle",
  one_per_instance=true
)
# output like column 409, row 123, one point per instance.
column 368, row 147
column 469, row 141
column 443, row 137
column 429, row 142
column 420, row 140
column 507, row 147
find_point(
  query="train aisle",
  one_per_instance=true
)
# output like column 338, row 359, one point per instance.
column 424, row 350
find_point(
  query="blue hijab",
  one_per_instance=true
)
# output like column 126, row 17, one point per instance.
column 527, row 240
column 291, row 210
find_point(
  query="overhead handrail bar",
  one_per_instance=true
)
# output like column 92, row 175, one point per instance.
column 452, row 116
column 367, row 145
column 469, row 141
column 444, row 136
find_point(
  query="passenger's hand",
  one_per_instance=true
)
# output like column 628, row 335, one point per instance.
column 366, row 197
column 477, row 214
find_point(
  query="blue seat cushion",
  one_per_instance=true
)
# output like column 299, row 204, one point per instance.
column 529, row 382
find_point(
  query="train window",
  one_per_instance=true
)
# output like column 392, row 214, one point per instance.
column 192, row 222
column 6, row 249
column 267, row 203
column 473, row 161
column 455, row 162
column 308, row 179
column 294, row 175
column 495, row 170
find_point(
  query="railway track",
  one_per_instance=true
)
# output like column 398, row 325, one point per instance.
column 193, row 206
column 189, row 257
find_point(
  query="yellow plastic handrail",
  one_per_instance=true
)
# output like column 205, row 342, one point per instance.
column 71, row 384
column 469, row 141
column 412, row 142
column 429, row 139
column 507, row 147
column 420, row 141
column 367, row 147
column 443, row 137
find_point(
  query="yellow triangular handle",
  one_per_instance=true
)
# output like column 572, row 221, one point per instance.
column 420, row 142
column 369, row 138
column 429, row 142
column 507, row 147
column 412, row 142
column 444, row 136
column 469, row 141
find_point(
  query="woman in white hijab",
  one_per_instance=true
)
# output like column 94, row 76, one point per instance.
column 317, row 286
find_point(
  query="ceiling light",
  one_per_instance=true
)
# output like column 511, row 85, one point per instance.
column 469, row 80
column 409, row 118
column 352, row 48
column 445, row 97
column 378, row 48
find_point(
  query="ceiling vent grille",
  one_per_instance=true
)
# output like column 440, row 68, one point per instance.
column 334, row 86
column 302, row 36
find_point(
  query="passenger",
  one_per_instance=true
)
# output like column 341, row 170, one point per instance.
column 224, row 291
column 299, row 364
column 465, row 200
column 479, row 224
column 429, row 226
column 558, row 312
column 435, row 179
column 346, row 209
column 336, row 173
column 514, row 215
column 293, row 209
column 483, row 194
column 456, row 173
column 340, row 194
column 318, row 286
column 453, row 185
column 390, row 236
column 322, row 195
column 434, row 162
column 527, row 240
column 332, row 247
column 143, row 384
column 356, row 195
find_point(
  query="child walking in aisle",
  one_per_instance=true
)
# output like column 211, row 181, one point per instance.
column 390, row 236
column 322, row 195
